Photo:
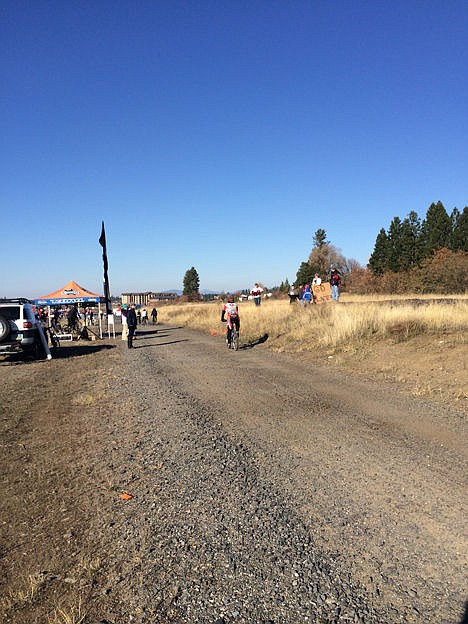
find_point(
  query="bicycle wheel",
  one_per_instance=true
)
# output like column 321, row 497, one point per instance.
column 235, row 339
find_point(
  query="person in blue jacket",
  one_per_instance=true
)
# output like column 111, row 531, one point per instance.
column 306, row 295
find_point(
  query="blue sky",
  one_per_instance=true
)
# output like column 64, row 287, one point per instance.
column 220, row 135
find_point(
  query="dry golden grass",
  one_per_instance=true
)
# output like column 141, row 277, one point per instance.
column 26, row 594
column 71, row 615
column 332, row 325
column 347, row 297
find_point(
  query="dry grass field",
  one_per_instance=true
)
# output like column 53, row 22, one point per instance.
column 416, row 341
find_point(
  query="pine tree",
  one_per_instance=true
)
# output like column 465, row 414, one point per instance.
column 379, row 259
column 459, row 237
column 436, row 228
column 411, row 244
column 320, row 237
column 304, row 274
column 396, row 245
column 191, row 282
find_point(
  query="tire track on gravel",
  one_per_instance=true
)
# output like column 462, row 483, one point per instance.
column 343, row 478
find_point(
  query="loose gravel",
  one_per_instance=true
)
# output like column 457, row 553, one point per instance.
column 260, row 490
column 217, row 541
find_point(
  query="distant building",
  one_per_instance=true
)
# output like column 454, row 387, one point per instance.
column 143, row 298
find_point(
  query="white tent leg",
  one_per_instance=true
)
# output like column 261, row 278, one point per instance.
column 100, row 321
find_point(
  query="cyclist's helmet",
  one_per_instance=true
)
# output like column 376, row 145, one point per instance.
column 230, row 300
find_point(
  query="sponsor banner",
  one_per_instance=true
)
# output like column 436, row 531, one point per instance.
column 66, row 301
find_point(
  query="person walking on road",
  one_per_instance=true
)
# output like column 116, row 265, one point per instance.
column 154, row 315
column 131, row 324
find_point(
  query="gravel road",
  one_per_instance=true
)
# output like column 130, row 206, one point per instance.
column 267, row 490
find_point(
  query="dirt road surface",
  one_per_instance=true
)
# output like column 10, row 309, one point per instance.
column 261, row 489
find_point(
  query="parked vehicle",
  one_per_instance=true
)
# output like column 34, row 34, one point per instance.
column 19, row 328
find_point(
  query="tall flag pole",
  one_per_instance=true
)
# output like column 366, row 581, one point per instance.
column 102, row 242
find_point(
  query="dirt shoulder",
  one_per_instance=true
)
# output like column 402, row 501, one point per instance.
column 431, row 367
column 263, row 489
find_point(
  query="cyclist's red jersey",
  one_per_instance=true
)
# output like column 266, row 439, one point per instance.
column 231, row 311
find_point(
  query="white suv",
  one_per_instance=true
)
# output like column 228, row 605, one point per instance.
column 19, row 327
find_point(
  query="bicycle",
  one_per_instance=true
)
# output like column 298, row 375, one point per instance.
column 234, row 339
column 50, row 333
column 53, row 337
column 233, row 323
column 234, row 342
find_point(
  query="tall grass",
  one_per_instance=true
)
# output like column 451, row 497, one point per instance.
column 338, row 326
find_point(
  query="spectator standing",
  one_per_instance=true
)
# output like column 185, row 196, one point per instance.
column 55, row 318
column 124, row 322
column 138, row 315
column 144, row 316
column 132, row 324
column 256, row 293
column 315, row 282
column 72, row 317
column 335, row 283
column 154, row 315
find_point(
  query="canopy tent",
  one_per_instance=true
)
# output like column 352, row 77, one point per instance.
column 69, row 294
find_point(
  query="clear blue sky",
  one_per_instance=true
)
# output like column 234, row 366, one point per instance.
column 220, row 135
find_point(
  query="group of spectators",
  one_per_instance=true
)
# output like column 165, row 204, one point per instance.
column 72, row 314
column 304, row 293
column 131, row 318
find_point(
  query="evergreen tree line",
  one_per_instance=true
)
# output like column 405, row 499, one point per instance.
column 413, row 255
column 406, row 244
column 429, row 255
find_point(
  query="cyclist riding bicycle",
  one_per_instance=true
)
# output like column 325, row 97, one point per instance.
column 230, row 310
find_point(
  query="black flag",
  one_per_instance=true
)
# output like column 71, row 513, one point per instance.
column 102, row 242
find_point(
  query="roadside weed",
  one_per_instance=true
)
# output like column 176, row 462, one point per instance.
column 72, row 615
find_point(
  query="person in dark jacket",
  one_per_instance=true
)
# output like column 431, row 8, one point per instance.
column 335, row 283
column 72, row 316
column 131, row 324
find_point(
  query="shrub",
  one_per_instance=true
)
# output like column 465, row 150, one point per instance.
column 444, row 272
